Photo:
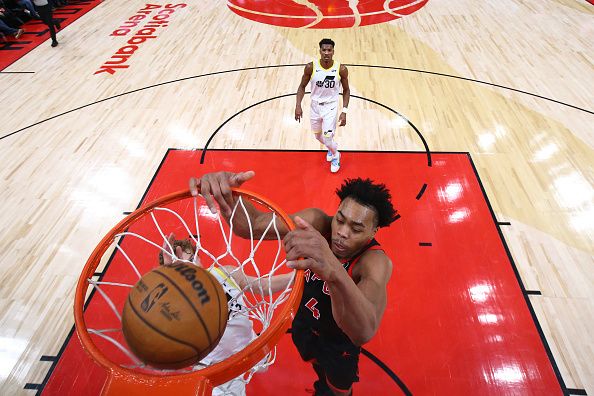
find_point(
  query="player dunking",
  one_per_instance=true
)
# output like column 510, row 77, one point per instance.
column 346, row 270
column 327, row 76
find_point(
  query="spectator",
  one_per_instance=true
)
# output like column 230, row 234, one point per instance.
column 7, row 30
column 45, row 11
column 28, row 6
column 9, row 17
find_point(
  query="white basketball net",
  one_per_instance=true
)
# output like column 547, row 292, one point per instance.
column 256, row 300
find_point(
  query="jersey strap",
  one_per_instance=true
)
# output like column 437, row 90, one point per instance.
column 226, row 278
column 373, row 245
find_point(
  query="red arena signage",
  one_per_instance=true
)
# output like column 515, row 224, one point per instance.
column 141, row 28
column 324, row 14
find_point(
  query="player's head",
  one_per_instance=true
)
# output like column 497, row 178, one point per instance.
column 184, row 252
column 326, row 49
column 364, row 207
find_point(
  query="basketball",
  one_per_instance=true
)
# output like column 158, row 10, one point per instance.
column 174, row 316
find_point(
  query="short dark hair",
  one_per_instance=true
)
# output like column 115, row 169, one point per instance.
column 370, row 194
column 327, row 41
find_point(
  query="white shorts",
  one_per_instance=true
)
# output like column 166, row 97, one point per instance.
column 235, row 387
column 323, row 117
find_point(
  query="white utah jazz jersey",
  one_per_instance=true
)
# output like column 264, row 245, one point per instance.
column 325, row 83
column 239, row 331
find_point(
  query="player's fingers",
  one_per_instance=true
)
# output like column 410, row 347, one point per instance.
column 205, row 191
column 179, row 252
column 167, row 245
column 239, row 178
column 299, row 235
column 302, row 224
column 300, row 264
column 194, row 185
column 225, row 199
column 218, row 194
column 291, row 245
column 297, row 244
column 293, row 238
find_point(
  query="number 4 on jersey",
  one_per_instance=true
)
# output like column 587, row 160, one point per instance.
column 311, row 305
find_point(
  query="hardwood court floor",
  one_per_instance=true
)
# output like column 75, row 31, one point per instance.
column 509, row 82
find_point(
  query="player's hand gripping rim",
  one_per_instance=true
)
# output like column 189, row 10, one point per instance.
column 216, row 188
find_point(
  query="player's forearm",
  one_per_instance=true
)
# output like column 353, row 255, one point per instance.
column 263, row 286
column 253, row 223
column 300, row 95
column 277, row 282
column 353, row 313
column 280, row 282
column 346, row 97
column 242, row 219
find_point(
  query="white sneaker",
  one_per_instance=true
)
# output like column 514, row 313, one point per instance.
column 329, row 156
column 335, row 164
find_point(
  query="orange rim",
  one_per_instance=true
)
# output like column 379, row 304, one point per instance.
column 218, row 373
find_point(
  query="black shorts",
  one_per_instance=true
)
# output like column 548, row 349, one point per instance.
column 339, row 361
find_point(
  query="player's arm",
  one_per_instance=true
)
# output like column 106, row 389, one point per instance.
column 346, row 93
column 216, row 189
column 307, row 72
column 358, row 308
column 260, row 285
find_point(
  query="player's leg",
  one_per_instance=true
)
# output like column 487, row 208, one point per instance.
column 307, row 344
column 321, row 387
column 329, row 119
column 320, row 138
column 317, row 120
column 340, row 392
column 341, row 368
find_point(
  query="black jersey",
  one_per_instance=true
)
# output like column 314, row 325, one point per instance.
column 315, row 309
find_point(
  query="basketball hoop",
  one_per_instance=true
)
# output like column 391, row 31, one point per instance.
column 132, row 243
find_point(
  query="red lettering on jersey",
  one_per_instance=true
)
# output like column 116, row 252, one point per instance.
column 315, row 277
column 325, row 289
column 307, row 273
column 311, row 304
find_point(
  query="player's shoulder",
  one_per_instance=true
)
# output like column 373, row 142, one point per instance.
column 375, row 253
column 319, row 219
column 309, row 66
column 374, row 262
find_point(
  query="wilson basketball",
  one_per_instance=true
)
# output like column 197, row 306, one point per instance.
column 174, row 316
